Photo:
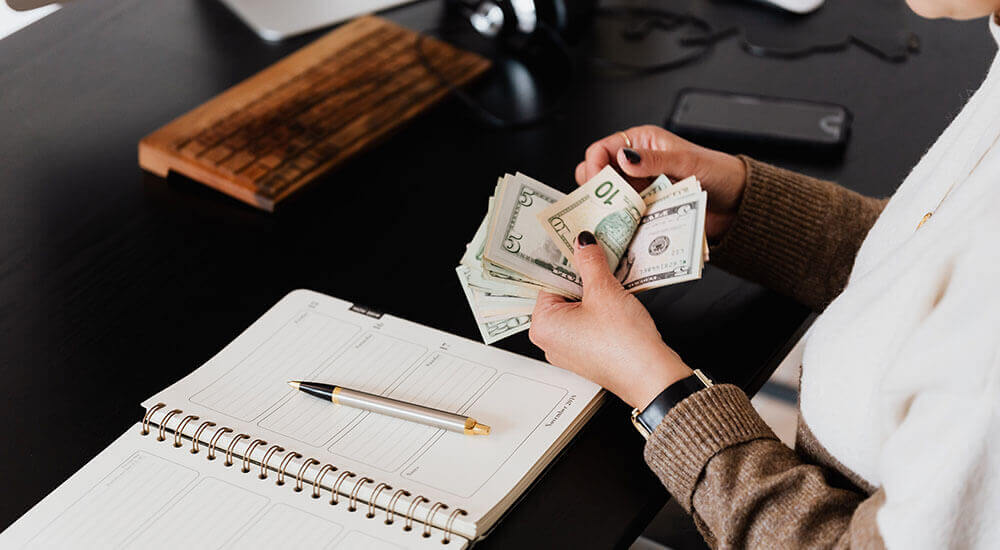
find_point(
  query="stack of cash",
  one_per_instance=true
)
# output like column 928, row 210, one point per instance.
column 526, row 241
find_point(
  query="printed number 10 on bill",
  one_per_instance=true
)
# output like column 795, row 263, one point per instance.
column 606, row 206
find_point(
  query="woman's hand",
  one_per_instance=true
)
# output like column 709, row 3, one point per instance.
column 608, row 337
column 656, row 151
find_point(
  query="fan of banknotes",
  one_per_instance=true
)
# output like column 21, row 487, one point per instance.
column 525, row 243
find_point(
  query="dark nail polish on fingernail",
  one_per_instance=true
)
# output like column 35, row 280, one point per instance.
column 631, row 155
column 585, row 238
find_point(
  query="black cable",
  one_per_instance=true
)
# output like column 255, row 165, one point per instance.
column 662, row 20
column 658, row 18
column 647, row 21
column 912, row 45
column 666, row 20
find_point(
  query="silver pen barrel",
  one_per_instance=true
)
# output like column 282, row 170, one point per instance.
column 392, row 407
column 406, row 411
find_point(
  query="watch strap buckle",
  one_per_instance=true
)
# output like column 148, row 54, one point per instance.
column 638, row 425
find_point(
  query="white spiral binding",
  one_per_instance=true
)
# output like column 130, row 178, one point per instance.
column 300, row 477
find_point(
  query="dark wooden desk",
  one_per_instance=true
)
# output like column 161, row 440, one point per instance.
column 114, row 283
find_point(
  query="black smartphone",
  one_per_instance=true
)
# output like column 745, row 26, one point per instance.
column 733, row 118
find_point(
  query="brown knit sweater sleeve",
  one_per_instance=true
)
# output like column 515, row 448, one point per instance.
column 795, row 234
column 745, row 488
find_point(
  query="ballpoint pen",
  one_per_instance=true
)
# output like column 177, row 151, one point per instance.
column 340, row 395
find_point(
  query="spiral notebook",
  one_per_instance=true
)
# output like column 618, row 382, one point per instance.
column 231, row 457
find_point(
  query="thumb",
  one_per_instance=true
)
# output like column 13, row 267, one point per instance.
column 592, row 264
column 646, row 163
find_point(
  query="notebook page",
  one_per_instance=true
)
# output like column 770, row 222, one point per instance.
column 310, row 336
column 140, row 493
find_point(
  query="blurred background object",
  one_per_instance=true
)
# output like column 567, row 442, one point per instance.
column 26, row 5
column 274, row 21
column 17, row 14
column 796, row 6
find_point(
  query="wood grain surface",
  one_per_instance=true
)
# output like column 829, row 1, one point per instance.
column 273, row 133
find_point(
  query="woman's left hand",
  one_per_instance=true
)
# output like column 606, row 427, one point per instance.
column 608, row 337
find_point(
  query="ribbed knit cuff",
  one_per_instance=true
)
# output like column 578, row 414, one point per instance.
column 697, row 429
column 776, row 227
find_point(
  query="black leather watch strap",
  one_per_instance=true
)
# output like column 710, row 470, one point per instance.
column 658, row 408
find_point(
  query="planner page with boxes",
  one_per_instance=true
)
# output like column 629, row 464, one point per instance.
column 455, row 481
column 140, row 493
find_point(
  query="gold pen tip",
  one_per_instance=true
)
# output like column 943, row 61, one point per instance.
column 293, row 384
column 480, row 429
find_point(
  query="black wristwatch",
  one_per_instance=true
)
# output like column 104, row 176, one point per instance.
column 647, row 420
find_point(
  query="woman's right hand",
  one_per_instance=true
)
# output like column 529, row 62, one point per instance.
column 656, row 151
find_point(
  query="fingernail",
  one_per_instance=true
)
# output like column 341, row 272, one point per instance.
column 631, row 155
column 585, row 238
